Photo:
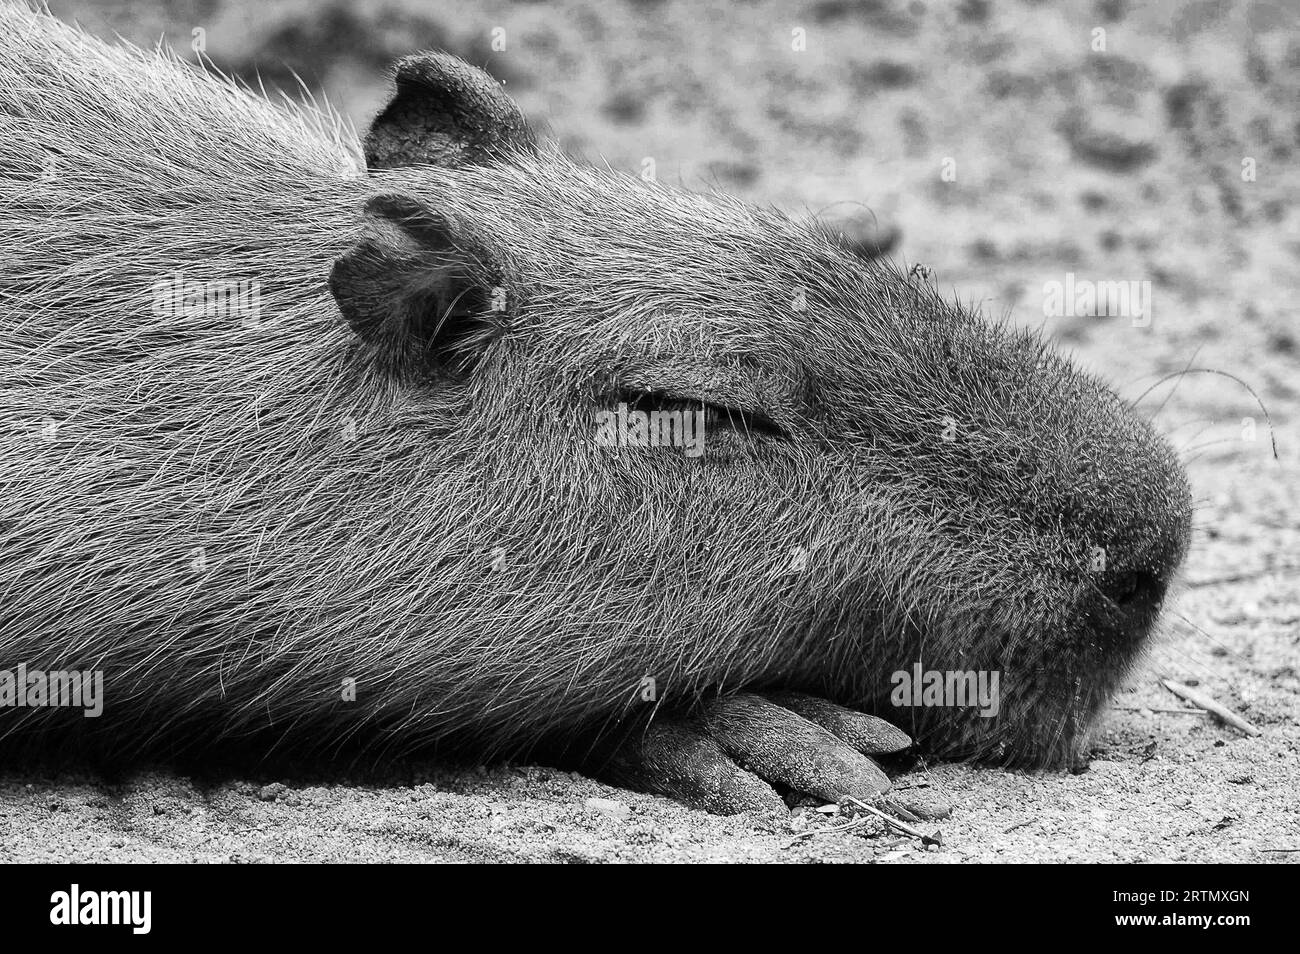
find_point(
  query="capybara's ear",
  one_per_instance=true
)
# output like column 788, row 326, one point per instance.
column 861, row 233
column 416, row 286
column 445, row 112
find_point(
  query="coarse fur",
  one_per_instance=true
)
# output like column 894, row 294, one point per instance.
column 232, row 515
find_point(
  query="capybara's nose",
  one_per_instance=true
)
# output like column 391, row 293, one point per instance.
column 1136, row 590
column 1147, row 555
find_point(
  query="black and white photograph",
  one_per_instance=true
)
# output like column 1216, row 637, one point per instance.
column 651, row 432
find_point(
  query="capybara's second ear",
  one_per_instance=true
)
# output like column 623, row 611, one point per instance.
column 445, row 112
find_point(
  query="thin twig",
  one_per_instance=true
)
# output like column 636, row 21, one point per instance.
column 855, row 823
column 1198, row 698
column 905, row 828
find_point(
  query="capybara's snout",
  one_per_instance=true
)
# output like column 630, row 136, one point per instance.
column 1024, row 519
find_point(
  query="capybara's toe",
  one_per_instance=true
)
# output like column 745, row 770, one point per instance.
column 785, row 748
column 677, row 759
column 870, row 735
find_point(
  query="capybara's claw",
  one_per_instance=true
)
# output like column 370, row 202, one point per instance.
column 728, row 758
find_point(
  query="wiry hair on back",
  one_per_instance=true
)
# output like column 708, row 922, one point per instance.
column 172, row 363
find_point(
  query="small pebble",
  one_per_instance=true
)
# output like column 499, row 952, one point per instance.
column 270, row 793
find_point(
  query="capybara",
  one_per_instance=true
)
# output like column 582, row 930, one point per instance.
column 443, row 441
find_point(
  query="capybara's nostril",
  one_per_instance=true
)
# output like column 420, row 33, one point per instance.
column 1136, row 589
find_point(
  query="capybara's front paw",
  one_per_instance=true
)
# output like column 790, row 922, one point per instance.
column 728, row 758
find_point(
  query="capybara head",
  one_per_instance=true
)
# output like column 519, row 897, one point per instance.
column 509, row 449
column 880, row 479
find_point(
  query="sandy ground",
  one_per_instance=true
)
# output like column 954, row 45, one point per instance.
column 1125, row 164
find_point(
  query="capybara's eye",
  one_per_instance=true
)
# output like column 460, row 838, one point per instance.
column 746, row 421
